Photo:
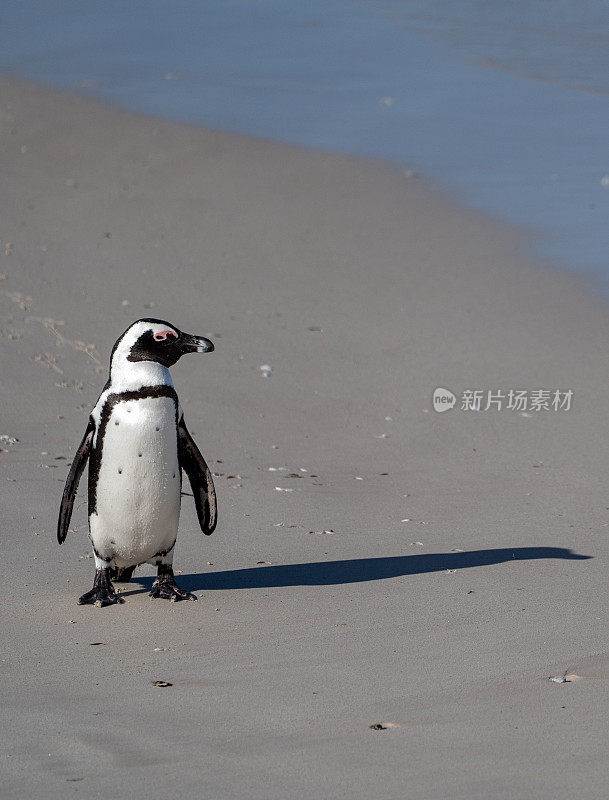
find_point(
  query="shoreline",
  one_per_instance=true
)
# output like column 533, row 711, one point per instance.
column 486, row 134
column 315, row 637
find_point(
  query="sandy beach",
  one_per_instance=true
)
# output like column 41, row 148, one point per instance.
column 464, row 559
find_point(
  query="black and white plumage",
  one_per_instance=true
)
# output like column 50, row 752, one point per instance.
column 137, row 445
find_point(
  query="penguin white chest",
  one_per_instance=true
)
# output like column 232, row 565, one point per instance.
column 137, row 506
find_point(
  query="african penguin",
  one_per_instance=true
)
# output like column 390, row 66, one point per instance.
column 137, row 445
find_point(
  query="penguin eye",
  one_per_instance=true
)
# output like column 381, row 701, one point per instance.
column 162, row 336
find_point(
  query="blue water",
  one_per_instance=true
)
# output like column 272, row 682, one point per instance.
column 504, row 103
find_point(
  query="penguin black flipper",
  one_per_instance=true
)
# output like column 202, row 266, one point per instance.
column 69, row 491
column 201, row 481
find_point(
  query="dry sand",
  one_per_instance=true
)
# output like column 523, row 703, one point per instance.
column 279, row 670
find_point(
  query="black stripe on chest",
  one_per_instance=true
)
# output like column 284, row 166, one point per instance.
column 111, row 401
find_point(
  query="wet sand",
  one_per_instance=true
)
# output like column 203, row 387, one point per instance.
column 364, row 289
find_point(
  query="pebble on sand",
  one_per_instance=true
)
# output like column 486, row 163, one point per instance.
column 383, row 726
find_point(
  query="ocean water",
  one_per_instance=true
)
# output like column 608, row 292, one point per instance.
column 504, row 103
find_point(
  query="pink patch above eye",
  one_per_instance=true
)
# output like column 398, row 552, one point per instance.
column 160, row 337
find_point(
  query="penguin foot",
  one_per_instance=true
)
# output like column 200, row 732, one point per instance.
column 102, row 593
column 122, row 574
column 165, row 587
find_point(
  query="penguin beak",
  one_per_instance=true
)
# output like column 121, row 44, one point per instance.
column 195, row 344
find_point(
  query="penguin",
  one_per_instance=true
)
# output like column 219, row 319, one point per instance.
column 137, row 445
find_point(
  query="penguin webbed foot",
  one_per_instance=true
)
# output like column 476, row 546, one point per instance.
column 102, row 594
column 166, row 588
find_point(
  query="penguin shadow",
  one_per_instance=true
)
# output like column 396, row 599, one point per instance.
column 357, row 570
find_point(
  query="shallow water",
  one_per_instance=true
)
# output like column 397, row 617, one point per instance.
column 505, row 103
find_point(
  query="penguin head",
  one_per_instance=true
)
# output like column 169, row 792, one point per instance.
column 158, row 341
